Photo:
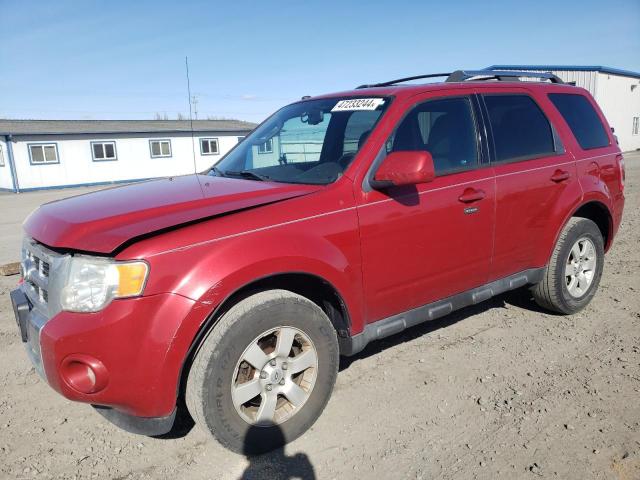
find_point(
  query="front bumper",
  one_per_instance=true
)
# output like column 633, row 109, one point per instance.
column 131, row 345
column 30, row 322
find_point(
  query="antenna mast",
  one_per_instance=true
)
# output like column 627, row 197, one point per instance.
column 193, row 147
column 194, row 101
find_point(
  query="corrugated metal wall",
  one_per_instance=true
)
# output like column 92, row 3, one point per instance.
column 587, row 80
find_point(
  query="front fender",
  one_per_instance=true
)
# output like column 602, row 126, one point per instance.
column 209, row 271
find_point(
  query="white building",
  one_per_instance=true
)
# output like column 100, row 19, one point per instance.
column 40, row 154
column 616, row 91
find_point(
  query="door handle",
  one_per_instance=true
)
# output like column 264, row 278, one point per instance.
column 560, row 176
column 471, row 195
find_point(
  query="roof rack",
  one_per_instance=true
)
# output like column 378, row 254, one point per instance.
column 405, row 79
column 473, row 75
column 501, row 75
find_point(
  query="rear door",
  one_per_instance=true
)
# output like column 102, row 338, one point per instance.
column 426, row 242
column 534, row 174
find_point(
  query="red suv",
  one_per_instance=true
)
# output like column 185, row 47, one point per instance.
column 342, row 219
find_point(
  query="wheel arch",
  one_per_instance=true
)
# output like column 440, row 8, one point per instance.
column 599, row 214
column 313, row 287
column 594, row 209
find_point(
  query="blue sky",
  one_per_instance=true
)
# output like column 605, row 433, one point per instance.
column 117, row 59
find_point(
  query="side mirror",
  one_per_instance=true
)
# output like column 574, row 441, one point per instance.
column 404, row 168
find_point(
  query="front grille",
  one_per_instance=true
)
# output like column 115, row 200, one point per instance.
column 43, row 272
column 40, row 269
column 36, row 275
column 41, row 293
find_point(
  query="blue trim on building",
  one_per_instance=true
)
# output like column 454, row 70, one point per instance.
column 95, row 184
column 12, row 165
column 578, row 68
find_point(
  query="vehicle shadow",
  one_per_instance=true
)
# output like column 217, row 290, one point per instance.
column 274, row 465
column 520, row 298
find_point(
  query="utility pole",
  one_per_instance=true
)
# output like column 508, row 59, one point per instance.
column 194, row 101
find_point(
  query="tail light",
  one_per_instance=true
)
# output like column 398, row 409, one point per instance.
column 620, row 160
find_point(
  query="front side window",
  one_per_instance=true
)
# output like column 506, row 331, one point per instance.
column 445, row 128
column 160, row 148
column 520, row 129
column 1, row 157
column 43, row 153
column 102, row 151
column 209, row 146
column 582, row 119
column 311, row 142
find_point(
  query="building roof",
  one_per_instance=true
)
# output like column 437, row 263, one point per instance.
column 578, row 68
column 69, row 127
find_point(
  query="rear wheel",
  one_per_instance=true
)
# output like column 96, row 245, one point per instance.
column 264, row 373
column 573, row 274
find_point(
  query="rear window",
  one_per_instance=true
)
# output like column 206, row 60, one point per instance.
column 583, row 120
column 520, row 129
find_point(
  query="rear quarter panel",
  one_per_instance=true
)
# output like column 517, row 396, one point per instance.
column 597, row 168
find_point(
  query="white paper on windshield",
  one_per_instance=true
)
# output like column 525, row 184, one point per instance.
column 358, row 104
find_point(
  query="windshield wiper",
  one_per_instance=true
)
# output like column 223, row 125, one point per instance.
column 247, row 174
column 217, row 171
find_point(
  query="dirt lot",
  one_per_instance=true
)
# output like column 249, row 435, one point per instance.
column 502, row 390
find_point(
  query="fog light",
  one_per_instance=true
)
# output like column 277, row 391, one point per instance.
column 84, row 374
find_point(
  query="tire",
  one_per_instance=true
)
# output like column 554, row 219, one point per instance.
column 216, row 379
column 562, row 289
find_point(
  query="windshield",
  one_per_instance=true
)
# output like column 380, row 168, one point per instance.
column 307, row 142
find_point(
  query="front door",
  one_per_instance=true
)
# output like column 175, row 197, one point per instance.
column 426, row 242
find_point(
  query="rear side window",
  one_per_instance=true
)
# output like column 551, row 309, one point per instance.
column 445, row 128
column 583, row 120
column 520, row 129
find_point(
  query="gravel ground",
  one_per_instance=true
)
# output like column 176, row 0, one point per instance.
column 501, row 390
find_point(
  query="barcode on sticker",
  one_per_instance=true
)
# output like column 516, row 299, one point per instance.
column 358, row 104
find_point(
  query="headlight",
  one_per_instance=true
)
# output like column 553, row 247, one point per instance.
column 93, row 282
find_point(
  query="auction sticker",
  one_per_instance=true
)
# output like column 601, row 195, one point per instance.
column 358, row 104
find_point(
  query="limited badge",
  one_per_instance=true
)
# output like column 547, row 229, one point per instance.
column 358, row 104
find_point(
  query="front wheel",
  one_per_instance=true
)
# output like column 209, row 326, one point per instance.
column 264, row 373
column 573, row 274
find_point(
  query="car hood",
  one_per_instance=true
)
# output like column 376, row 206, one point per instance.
column 102, row 221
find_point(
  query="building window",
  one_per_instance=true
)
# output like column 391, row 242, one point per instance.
column 160, row 148
column 1, row 157
column 266, row 147
column 43, row 153
column 103, row 151
column 636, row 125
column 209, row 146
